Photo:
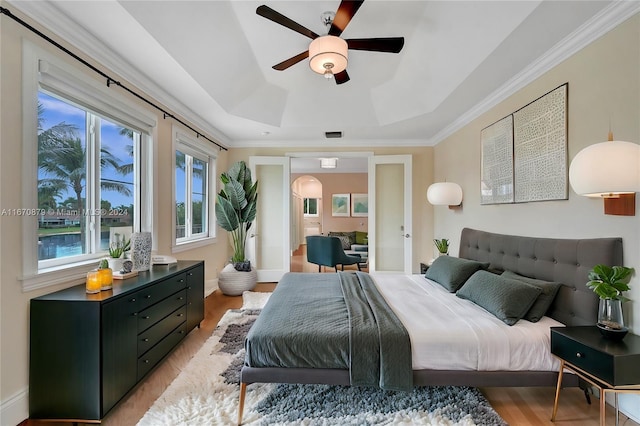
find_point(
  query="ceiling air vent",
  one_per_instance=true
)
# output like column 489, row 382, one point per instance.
column 333, row 135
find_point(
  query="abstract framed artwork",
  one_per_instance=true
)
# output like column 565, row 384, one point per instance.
column 340, row 205
column 496, row 180
column 540, row 148
column 359, row 205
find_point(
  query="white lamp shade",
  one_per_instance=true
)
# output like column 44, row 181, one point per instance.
column 606, row 168
column 444, row 194
column 328, row 49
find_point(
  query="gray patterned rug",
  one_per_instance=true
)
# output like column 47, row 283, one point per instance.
column 206, row 393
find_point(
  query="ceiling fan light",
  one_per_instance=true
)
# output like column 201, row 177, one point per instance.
column 327, row 50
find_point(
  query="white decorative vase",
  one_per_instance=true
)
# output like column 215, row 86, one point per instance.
column 234, row 283
column 115, row 263
column 141, row 250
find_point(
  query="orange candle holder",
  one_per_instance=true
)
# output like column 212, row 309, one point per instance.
column 94, row 283
column 106, row 278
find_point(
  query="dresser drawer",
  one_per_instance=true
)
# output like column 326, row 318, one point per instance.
column 153, row 335
column 582, row 356
column 159, row 291
column 613, row 362
column 155, row 313
column 147, row 361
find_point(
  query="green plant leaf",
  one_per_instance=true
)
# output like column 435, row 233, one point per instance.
column 226, row 215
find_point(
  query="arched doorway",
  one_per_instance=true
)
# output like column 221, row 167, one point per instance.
column 306, row 216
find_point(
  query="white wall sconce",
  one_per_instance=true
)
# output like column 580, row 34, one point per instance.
column 328, row 163
column 445, row 194
column 609, row 170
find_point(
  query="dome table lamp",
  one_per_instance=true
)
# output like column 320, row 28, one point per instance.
column 445, row 194
column 609, row 170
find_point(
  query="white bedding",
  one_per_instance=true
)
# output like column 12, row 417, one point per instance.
column 449, row 333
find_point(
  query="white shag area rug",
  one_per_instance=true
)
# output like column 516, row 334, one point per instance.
column 206, row 393
column 254, row 299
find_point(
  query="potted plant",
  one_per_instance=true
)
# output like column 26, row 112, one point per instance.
column 117, row 248
column 442, row 246
column 608, row 282
column 236, row 210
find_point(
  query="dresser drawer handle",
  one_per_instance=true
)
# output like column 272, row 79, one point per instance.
column 145, row 340
column 148, row 296
column 146, row 317
column 180, row 315
column 579, row 354
column 190, row 274
column 133, row 300
column 180, row 298
column 135, row 314
column 146, row 361
column 181, row 332
column 181, row 280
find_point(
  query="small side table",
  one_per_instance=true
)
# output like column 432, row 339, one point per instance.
column 611, row 366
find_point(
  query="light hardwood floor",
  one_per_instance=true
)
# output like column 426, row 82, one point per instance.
column 518, row 406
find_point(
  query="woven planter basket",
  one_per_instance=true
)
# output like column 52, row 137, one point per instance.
column 233, row 283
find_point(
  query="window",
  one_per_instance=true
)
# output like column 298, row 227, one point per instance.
column 85, row 180
column 310, row 207
column 194, row 186
column 87, row 168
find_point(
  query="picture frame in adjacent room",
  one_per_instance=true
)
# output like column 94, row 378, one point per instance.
column 496, row 174
column 340, row 205
column 359, row 205
column 540, row 148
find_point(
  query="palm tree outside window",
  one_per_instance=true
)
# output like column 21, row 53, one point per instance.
column 86, row 179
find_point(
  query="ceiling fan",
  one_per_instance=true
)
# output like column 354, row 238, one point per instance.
column 328, row 53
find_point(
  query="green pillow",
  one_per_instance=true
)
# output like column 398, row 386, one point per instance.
column 544, row 301
column 507, row 299
column 361, row 237
column 346, row 238
column 451, row 272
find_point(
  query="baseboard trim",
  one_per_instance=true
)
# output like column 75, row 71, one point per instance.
column 15, row 409
column 210, row 286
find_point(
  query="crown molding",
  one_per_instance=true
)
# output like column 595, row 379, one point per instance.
column 600, row 24
column 47, row 15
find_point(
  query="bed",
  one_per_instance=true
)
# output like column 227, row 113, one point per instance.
column 565, row 261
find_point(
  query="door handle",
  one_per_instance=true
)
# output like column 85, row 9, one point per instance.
column 407, row 236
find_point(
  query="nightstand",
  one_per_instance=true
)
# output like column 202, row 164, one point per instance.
column 611, row 366
column 423, row 267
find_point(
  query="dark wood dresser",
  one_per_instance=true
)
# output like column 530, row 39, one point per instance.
column 88, row 350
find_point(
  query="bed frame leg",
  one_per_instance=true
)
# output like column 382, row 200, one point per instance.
column 243, row 391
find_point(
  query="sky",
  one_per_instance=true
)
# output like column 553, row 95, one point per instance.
column 57, row 111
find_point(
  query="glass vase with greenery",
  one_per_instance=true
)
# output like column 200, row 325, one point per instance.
column 236, row 206
column 608, row 282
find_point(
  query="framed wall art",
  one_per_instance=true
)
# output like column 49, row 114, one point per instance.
column 540, row 148
column 340, row 205
column 496, row 180
column 359, row 205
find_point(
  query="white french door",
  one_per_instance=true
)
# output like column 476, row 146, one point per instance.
column 268, row 245
column 390, row 218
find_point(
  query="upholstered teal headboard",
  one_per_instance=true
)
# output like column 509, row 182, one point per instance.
column 567, row 261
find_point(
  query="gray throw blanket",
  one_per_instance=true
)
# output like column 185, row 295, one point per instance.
column 332, row 321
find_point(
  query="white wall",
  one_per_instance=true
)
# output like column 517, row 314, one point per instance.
column 604, row 90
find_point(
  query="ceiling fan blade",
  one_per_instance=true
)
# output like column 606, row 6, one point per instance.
column 341, row 77
column 345, row 12
column 278, row 18
column 291, row 61
column 383, row 44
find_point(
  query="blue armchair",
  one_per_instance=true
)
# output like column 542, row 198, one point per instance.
column 328, row 251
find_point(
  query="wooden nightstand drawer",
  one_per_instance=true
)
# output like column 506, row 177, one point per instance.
column 615, row 363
